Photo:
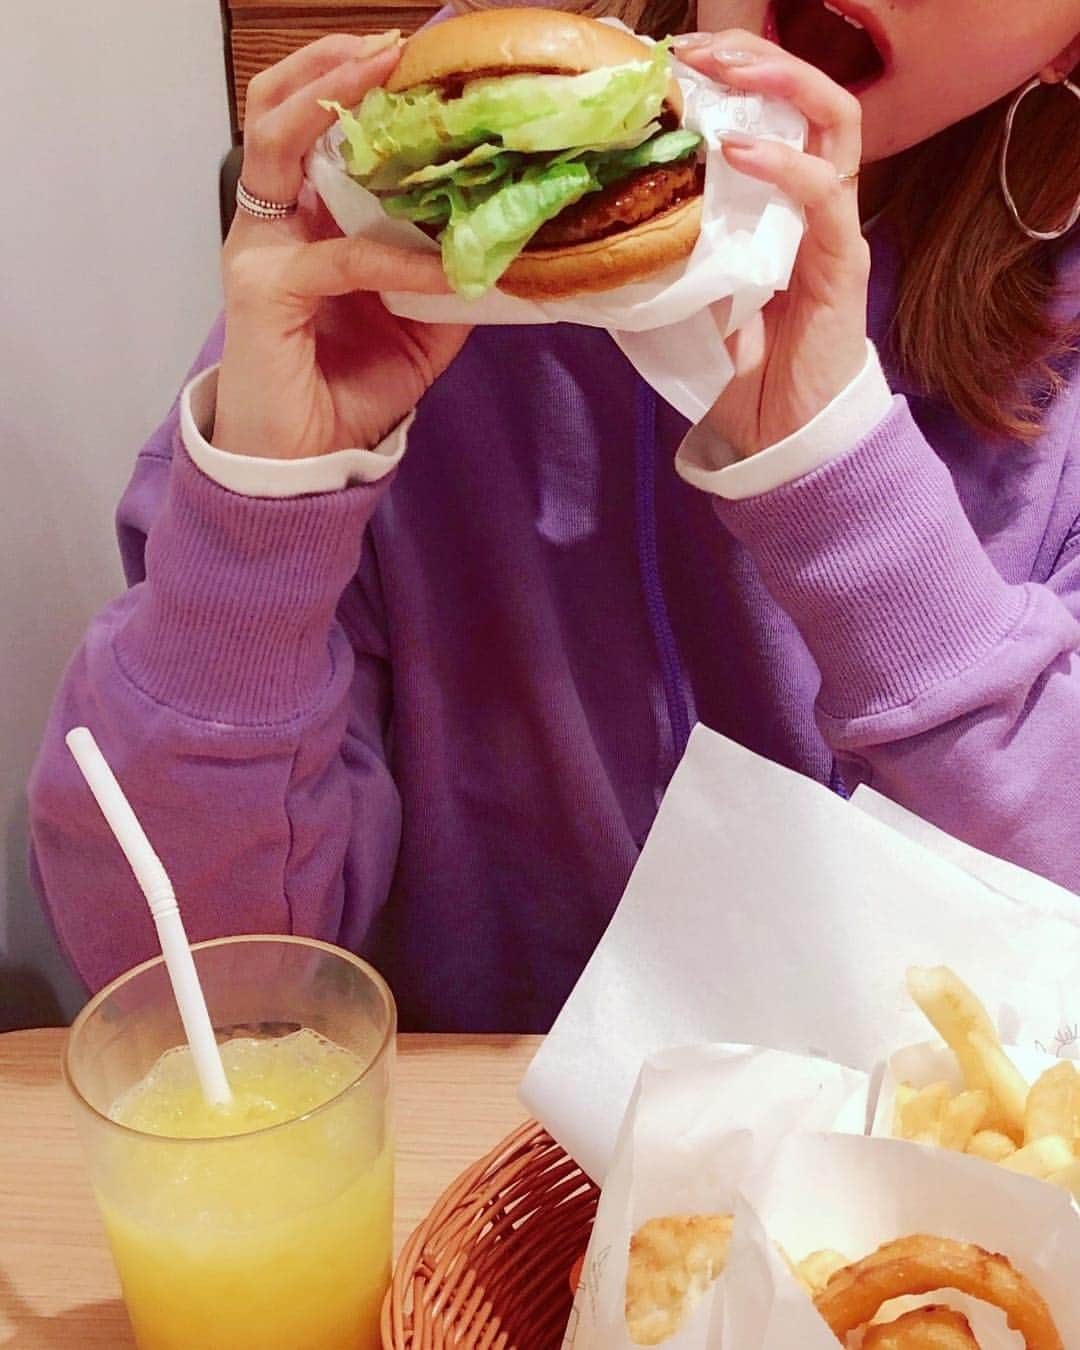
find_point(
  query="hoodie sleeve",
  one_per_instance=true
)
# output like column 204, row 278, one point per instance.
column 943, row 686
column 243, row 723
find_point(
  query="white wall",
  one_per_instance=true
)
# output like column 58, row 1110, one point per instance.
column 114, row 122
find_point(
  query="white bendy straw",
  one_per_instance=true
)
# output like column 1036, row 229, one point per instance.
column 158, row 889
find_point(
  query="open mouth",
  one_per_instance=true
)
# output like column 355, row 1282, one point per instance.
column 831, row 36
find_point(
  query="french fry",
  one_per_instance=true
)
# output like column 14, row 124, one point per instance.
column 903, row 1094
column 955, row 1013
column 922, row 1114
column 991, row 1146
column 1042, row 1159
column 795, row 1269
column 963, row 1117
column 1033, row 1131
column 1007, row 1084
column 816, row 1270
column 1053, row 1105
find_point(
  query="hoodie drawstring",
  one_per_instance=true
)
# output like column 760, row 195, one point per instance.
column 649, row 569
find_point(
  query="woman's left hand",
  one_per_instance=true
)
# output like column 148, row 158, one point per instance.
column 809, row 342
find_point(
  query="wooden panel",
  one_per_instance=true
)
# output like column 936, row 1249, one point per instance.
column 253, row 49
column 255, row 10
column 333, row 21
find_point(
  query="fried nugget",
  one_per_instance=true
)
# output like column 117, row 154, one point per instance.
column 673, row 1260
column 932, row 1328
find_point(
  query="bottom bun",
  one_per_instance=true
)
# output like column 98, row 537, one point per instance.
column 603, row 264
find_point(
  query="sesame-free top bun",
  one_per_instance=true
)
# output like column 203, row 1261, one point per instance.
column 488, row 41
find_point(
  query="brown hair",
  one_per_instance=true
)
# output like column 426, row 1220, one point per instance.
column 972, row 322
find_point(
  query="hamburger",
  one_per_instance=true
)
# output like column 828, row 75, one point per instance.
column 543, row 150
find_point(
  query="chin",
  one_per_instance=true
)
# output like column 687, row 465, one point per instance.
column 895, row 118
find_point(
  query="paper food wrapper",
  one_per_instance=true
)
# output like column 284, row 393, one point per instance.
column 1004, row 877
column 854, row 1194
column 766, row 910
column 704, row 1119
column 749, row 238
column 684, row 1149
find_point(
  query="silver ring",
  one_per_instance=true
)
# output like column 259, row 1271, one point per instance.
column 852, row 177
column 260, row 208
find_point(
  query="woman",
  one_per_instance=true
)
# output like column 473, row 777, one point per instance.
column 432, row 720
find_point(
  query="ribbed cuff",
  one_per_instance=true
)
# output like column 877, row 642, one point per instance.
column 709, row 463
column 874, row 559
column 232, row 624
column 254, row 477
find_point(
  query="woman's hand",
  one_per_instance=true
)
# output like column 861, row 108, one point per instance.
column 313, row 361
column 809, row 342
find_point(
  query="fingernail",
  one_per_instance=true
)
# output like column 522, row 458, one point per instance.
column 688, row 42
column 723, row 57
column 381, row 42
column 739, row 139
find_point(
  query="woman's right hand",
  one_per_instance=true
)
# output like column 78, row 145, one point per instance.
column 313, row 361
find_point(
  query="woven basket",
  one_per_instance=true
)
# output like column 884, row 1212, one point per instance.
column 489, row 1268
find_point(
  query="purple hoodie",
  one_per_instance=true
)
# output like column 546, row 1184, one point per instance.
column 432, row 721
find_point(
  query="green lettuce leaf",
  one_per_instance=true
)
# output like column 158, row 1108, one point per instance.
column 434, row 204
column 611, row 165
column 482, row 240
column 481, row 165
column 423, row 206
column 390, row 136
column 629, row 142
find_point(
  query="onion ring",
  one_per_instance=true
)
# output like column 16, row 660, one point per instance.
column 919, row 1265
column 931, row 1328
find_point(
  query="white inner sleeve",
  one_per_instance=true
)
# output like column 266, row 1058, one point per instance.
column 707, row 462
column 254, row 477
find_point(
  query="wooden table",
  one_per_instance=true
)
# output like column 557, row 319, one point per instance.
column 58, row 1291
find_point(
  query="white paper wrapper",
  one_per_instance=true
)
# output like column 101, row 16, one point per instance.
column 703, row 1120
column 750, row 235
column 853, row 1194
column 766, row 910
column 1005, row 877
column 710, row 1130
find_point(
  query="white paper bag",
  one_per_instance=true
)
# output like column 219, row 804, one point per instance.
column 749, row 238
column 997, row 873
column 766, row 910
column 854, row 1194
column 703, row 1120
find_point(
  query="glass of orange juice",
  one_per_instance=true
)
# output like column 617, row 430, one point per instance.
column 265, row 1224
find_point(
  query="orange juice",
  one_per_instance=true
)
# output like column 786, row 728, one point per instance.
column 263, row 1225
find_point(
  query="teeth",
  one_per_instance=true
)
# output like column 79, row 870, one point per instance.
column 847, row 18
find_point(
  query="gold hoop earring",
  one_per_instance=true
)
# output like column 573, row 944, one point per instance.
column 1003, row 167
